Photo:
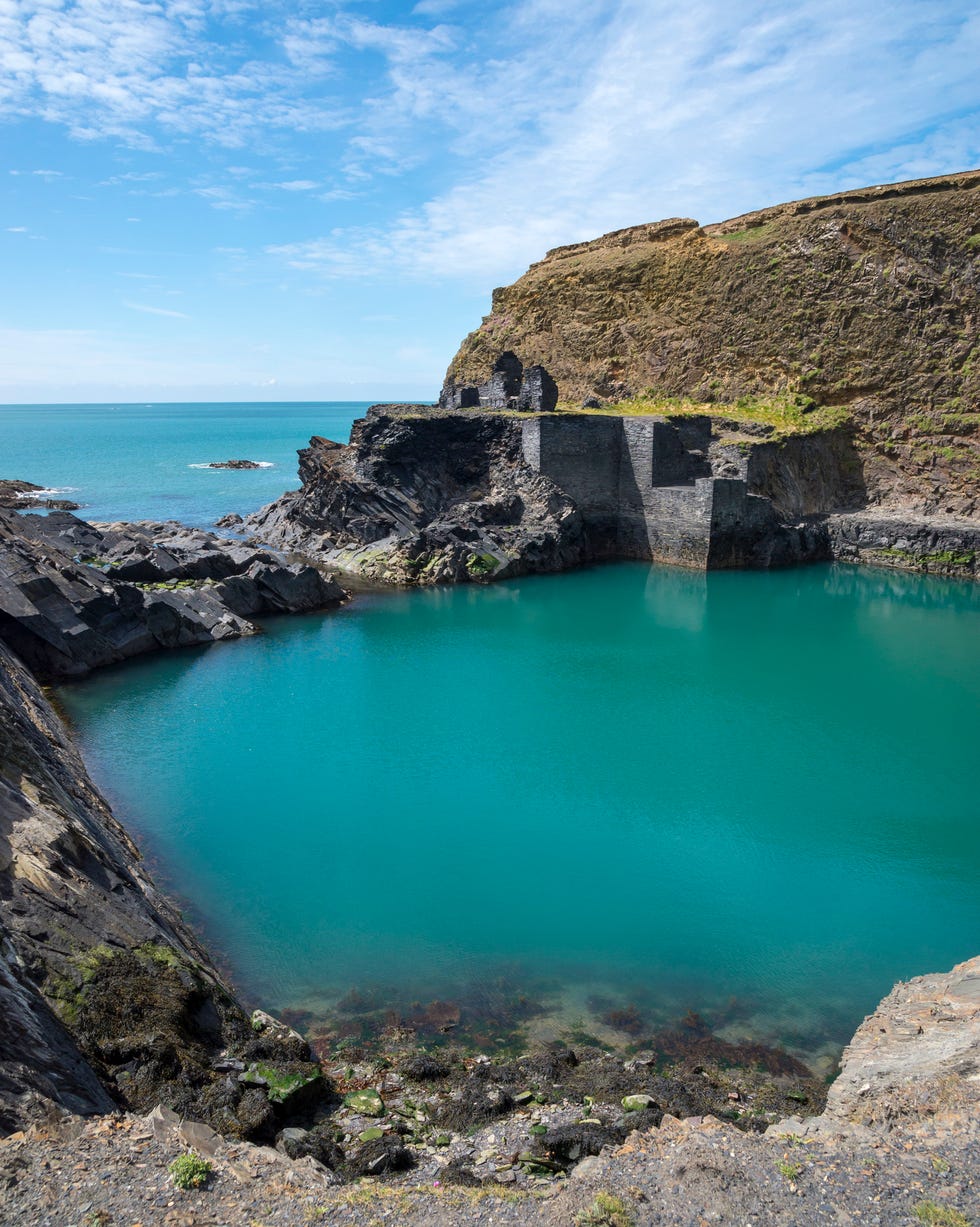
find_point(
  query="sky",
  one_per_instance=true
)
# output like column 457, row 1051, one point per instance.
column 234, row 200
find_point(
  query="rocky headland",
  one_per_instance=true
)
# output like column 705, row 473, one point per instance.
column 794, row 385
column 26, row 496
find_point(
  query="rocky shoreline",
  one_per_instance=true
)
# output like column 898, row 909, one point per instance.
column 76, row 596
column 897, row 1143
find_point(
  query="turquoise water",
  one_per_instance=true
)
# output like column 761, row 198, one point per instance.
column 629, row 783
column 127, row 462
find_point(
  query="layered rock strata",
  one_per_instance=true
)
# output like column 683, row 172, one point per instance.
column 74, row 596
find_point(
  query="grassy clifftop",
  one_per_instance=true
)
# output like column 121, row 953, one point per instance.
column 866, row 300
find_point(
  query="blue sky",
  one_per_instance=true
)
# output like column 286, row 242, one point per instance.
column 221, row 199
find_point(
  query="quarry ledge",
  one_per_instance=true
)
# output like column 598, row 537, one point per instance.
column 424, row 494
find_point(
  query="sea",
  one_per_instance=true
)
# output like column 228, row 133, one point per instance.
column 581, row 807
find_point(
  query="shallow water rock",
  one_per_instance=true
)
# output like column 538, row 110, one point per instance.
column 421, row 1067
column 566, row 1144
column 639, row 1101
column 367, row 1102
column 385, row 1154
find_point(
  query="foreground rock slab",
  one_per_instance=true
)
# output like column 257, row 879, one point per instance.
column 912, row 1158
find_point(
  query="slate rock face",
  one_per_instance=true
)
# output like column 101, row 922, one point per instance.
column 74, row 596
column 425, row 497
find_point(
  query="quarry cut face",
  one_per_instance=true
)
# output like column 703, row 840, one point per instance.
column 425, row 495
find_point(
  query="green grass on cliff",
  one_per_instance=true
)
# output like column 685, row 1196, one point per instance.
column 787, row 415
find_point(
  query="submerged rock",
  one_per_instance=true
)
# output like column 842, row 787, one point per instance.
column 367, row 1102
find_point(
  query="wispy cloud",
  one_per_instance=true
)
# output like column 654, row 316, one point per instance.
column 149, row 176
column 135, row 306
column 664, row 109
column 223, row 198
column 142, row 71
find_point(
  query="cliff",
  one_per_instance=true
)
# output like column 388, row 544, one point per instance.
column 865, row 300
column 108, row 998
column 796, row 384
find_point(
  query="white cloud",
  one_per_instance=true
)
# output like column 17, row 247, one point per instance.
column 16, row 229
column 434, row 8
column 135, row 306
column 132, row 177
column 222, row 198
column 137, row 70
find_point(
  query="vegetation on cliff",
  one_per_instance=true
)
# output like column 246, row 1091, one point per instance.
column 865, row 301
